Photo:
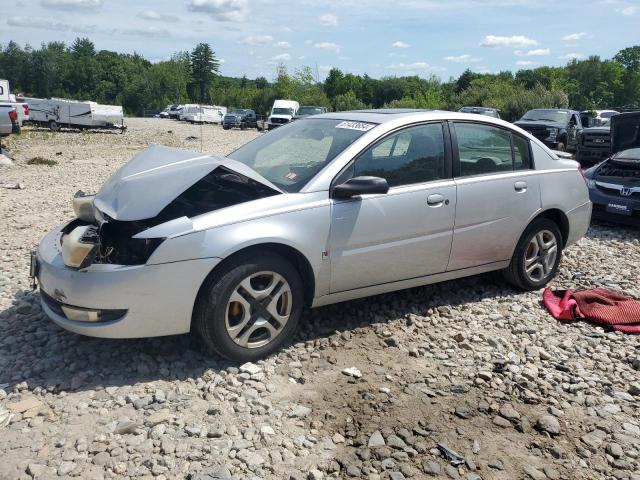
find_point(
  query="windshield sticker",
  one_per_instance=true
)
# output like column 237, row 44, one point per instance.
column 363, row 127
column 291, row 176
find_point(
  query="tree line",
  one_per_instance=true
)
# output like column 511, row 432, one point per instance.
column 80, row 71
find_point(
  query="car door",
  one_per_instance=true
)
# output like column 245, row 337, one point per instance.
column 498, row 192
column 405, row 233
column 575, row 126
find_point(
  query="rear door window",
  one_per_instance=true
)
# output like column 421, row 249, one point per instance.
column 484, row 149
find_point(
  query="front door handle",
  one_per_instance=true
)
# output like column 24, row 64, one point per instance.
column 435, row 200
column 520, row 186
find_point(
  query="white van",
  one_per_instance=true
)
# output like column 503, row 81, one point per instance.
column 282, row 112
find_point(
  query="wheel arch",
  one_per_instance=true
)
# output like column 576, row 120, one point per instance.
column 559, row 218
column 289, row 253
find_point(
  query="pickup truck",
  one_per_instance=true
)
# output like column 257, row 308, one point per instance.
column 241, row 118
column 8, row 120
column 558, row 129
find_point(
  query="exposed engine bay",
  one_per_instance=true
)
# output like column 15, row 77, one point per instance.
column 96, row 237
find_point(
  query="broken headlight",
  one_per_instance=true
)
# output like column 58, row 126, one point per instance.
column 83, row 206
column 80, row 246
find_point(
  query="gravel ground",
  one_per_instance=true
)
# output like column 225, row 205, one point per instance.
column 466, row 379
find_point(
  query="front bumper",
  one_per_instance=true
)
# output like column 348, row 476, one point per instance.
column 600, row 212
column 152, row 300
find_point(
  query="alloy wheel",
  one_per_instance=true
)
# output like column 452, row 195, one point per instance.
column 258, row 309
column 540, row 256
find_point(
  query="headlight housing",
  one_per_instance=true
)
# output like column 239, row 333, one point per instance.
column 83, row 206
column 80, row 246
column 552, row 133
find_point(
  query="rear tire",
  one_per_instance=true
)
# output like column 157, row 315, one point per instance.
column 249, row 308
column 537, row 256
column 53, row 126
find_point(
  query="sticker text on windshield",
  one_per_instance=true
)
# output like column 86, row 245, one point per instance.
column 363, row 127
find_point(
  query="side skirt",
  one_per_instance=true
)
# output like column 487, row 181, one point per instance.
column 404, row 284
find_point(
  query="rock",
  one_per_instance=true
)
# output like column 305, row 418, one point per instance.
column 315, row 475
column 534, row 473
column 251, row 459
column 37, row 470
column 507, row 411
column 548, row 424
column 300, row 411
column 395, row 442
column 66, row 468
column 250, row 368
column 634, row 389
column 353, row 471
column 501, row 422
column 125, row 427
column 615, row 450
column 431, row 468
column 593, row 439
column 160, row 416
column 396, row 476
column 376, row 440
column 352, row 372
column 29, row 403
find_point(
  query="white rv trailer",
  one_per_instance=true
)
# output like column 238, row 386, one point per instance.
column 207, row 114
column 59, row 112
column 189, row 108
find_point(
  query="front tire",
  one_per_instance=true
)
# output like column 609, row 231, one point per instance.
column 537, row 256
column 249, row 308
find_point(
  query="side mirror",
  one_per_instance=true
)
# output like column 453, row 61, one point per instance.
column 361, row 186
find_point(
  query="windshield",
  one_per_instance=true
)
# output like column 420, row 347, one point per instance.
column 238, row 112
column 309, row 110
column 282, row 111
column 293, row 154
column 560, row 116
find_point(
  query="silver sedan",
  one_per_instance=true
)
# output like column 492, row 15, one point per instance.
column 325, row 209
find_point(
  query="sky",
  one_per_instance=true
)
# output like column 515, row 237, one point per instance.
column 377, row 37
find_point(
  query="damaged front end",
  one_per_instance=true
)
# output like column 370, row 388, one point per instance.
column 159, row 186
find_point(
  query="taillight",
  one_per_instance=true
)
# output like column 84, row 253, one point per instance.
column 582, row 173
column 13, row 115
column 25, row 108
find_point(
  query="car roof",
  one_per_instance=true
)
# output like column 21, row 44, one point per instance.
column 380, row 116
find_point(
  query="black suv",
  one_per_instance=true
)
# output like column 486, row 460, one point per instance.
column 241, row 118
column 559, row 129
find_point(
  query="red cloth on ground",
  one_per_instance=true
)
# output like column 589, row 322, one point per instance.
column 599, row 305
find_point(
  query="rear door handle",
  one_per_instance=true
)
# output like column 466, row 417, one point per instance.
column 520, row 186
column 435, row 200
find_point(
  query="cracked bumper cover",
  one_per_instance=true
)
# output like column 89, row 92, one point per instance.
column 158, row 299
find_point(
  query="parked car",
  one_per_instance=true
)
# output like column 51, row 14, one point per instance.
column 322, row 210
column 614, row 185
column 596, row 118
column 282, row 112
column 165, row 113
column 559, row 129
column 307, row 110
column 489, row 112
column 8, row 120
column 174, row 111
column 242, row 118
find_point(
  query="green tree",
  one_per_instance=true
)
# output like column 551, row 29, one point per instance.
column 204, row 68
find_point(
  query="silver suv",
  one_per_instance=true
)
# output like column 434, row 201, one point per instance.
column 326, row 209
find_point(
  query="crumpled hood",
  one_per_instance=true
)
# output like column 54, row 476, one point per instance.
column 152, row 179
